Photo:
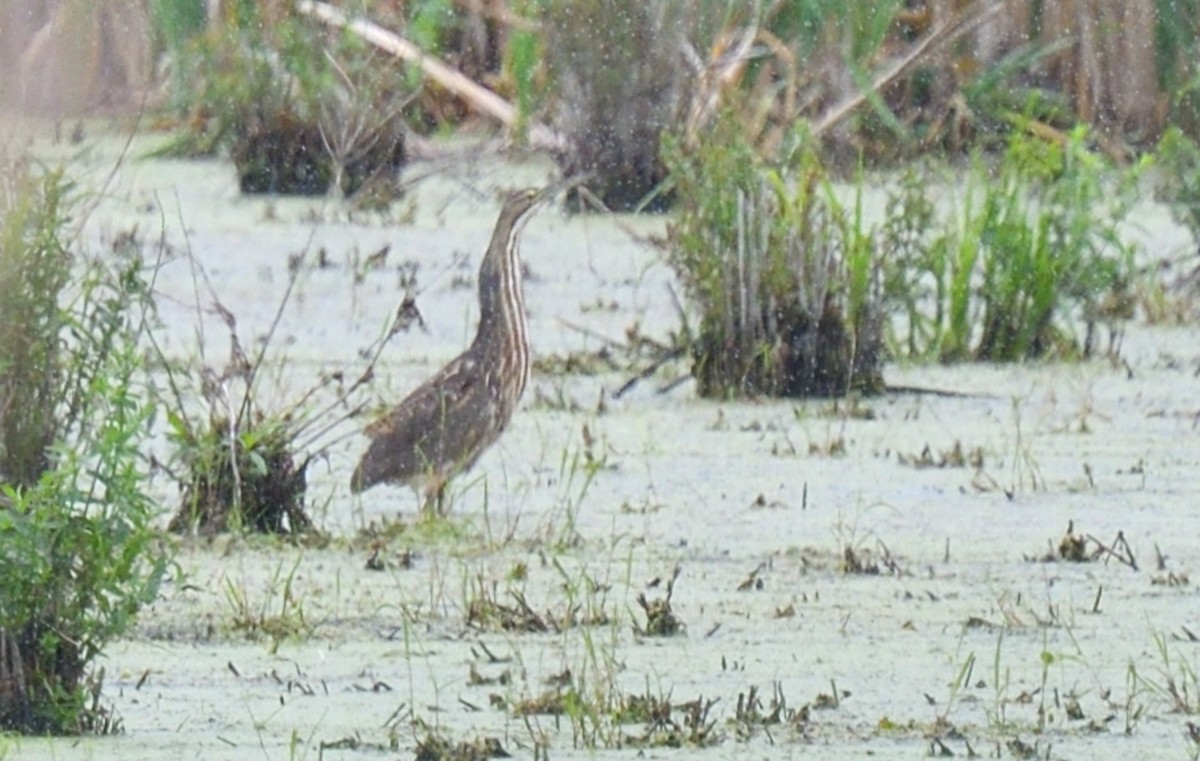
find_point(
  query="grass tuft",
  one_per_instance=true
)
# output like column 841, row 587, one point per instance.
column 783, row 274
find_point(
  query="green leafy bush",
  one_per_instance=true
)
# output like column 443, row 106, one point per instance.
column 241, row 465
column 35, row 270
column 1179, row 187
column 77, row 553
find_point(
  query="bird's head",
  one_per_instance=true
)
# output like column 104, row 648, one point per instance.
column 517, row 204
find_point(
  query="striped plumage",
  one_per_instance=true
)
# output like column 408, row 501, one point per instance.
column 443, row 426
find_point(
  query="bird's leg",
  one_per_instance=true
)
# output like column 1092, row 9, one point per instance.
column 441, row 500
column 435, row 497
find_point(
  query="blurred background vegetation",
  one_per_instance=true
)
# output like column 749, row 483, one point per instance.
column 921, row 74
column 742, row 117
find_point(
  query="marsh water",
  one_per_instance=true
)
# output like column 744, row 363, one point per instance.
column 962, row 630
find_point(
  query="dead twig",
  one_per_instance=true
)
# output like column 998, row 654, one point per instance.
column 650, row 370
column 1119, row 550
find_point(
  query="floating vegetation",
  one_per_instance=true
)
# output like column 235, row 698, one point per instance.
column 661, row 620
column 1085, row 548
column 666, row 728
column 488, row 610
column 954, row 457
column 434, row 747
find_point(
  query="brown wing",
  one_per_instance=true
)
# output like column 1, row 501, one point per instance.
column 429, row 401
column 435, row 430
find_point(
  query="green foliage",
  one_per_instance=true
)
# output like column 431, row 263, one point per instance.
column 77, row 551
column 300, row 107
column 1174, row 680
column 785, row 278
column 34, row 270
column 1179, row 187
column 177, row 21
column 1001, row 103
column 239, row 474
column 915, row 274
column 867, row 25
column 1176, row 45
column 225, row 78
column 279, row 616
column 235, row 462
column 235, row 465
column 429, row 22
column 1030, row 253
column 1026, row 261
column 812, row 23
column 523, row 57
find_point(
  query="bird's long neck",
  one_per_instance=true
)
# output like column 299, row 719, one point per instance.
column 503, row 332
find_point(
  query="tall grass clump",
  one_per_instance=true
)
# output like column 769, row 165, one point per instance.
column 36, row 270
column 239, row 468
column 1028, row 262
column 301, row 110
column 237, row 464
column 784, row 276
column 78, row 556
column 240, row 463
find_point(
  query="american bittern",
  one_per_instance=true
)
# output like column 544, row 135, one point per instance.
column 443, row 426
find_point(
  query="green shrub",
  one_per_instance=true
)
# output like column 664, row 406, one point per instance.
column 1025, row 264
column 239, row 474
column 238, row 464
column 34, row 270
column 1179, row 186
column 77, row 553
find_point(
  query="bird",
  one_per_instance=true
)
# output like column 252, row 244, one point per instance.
column 442, row 427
